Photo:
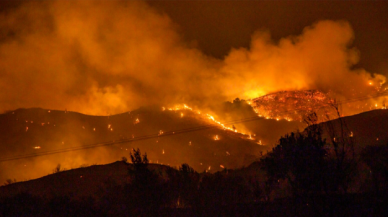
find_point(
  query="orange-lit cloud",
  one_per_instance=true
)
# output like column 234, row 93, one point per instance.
column 105, row 57
column 320, row 58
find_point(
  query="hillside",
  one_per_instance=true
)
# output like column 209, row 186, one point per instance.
column 368, row 128
column 33, row 131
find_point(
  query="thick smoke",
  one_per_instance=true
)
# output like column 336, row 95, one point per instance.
column 319, row 58
column 105, row 57
column 97, row 57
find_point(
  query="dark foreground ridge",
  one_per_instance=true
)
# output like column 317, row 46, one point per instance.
column 142, row 189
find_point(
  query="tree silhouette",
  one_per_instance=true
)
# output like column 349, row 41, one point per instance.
column 145, row 193
column 187, row 184
column 342, row 159
column 300, row 159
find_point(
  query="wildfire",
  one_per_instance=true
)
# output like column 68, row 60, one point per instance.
column 290, row 105
column 296, row 105
column 208, row 116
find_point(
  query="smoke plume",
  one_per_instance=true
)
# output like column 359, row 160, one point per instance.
column 105, row 57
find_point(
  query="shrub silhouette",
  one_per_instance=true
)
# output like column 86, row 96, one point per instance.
column 146, row 191
column 300, row 159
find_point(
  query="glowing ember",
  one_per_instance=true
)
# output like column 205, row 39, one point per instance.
column 163, row 151
column 137, row 121
column 37, row 147
column 160, row 132
column 26, row 129
column 216, row 138
column 222, row 166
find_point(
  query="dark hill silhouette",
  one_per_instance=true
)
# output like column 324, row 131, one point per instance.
column 76, row 182
column 368, row 128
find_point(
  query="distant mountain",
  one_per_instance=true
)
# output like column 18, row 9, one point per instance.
column 33, row 131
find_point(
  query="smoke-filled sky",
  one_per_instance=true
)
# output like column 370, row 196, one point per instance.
column 106, row 57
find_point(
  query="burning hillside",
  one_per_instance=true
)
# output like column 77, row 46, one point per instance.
column 296, row 105
column 291, row 105
column 169, row 136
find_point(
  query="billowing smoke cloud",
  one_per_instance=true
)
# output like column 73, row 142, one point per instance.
column 320, row 58
column 97, row 57
column 105, row 57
